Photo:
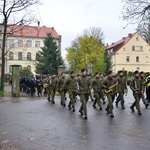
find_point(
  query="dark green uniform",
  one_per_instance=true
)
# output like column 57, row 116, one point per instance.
column 52, row 88
column 110, row 84
column 61, row 82
column 84, row 89
column 143, row 81
column 71, row 86
column 121, row 89
column 137, row 87
column 96, row 85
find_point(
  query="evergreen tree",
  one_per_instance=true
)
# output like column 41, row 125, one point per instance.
column 107, row 61
column 49, row 57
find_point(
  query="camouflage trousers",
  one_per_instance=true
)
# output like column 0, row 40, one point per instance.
column 97, row 96
column 84, row 98
column 136, row 103
column 63, row 97
column 72, row 96
column 120, row 98
column 50, row 93
column 110, row 102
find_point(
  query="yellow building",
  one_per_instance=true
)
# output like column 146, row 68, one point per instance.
column 130, row 53
column 23, row 44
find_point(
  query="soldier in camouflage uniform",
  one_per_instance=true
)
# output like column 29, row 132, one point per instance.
column 110, row 84
column 84, row 90
column 61, row 82
column 71, row 86
column 53, row 86
column 137, row 88
column 96, row 85
column 46, row 86
column 103, row 94
column 142, row 77
column 121, row 89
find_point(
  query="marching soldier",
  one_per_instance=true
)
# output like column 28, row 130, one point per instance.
column 137, row 88
column 122, row 89
column 46, row 84
column 142, row 77
column 53, row 87
column 90, row 94
column 71, row 86
column 61, row 82
column 103, row 94
column 84, row 89
column 96, row 85
column 147, row 82
column 110, row 84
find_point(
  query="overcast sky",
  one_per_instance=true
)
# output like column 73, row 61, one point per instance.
column 71, row 17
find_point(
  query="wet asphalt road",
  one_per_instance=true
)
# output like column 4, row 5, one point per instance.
column 36, row 124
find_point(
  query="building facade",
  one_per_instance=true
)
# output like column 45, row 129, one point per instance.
column 23, row 44
column 130, row 53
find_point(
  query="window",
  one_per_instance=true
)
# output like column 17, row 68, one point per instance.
column 11, row 55
column 128, row 58
column 29, row 43
column 10, row 69
column 20, row 43
column 124, row 49
column 146, row 59
column 137, row 38
column 20, row 56
column 141, row 48
column 28, row 56
column 37, row 56
column 37, row 43
column 10, row 42
column 133, row 48
column 137, row 58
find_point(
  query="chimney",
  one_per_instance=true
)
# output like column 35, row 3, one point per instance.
column 38, row 25
column 130, row 35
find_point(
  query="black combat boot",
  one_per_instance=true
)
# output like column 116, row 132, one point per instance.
column 132, row 109
column 112, row 115
column 81, row 113
column 85, row 117
column 139, row 113
column 146, row 105
column 116, row 103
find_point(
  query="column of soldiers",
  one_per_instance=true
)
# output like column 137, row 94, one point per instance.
column 114, row 89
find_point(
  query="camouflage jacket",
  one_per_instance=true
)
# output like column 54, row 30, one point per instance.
column 110, row 84
column 136, row 84
column 53, row 82
column 70, row 84
column 61, row 82
column 96, row 84
column 122, row 84
column 84, row 85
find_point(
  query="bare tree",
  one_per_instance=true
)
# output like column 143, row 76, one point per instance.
column 144, row 30
column 14, row 12
column 135, row 11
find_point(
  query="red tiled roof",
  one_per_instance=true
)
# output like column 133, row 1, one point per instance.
column 31, row 31
column 117, row 45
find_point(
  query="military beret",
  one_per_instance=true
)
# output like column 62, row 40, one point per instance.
column 109, row 72
column 120, row 71
column 96, row 73
column 136, row 72
column 82, row 70
column 71, row 72
column 141, row 72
